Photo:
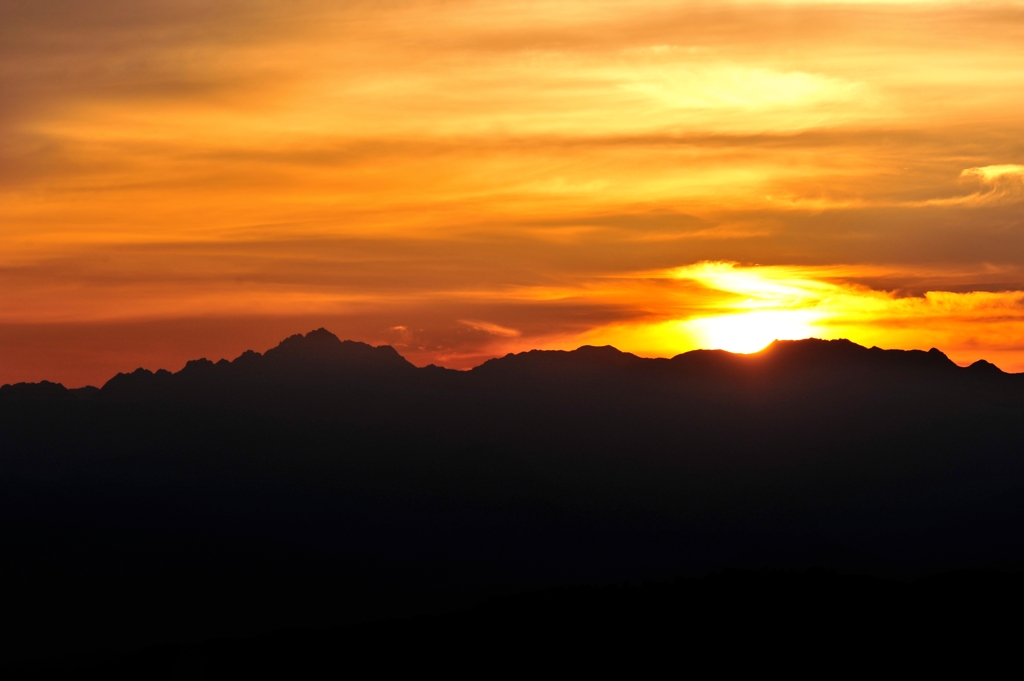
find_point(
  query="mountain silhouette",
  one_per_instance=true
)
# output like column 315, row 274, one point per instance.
column 320, row 358
column 341, row 483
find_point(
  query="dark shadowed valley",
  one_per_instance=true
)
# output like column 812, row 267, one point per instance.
column 335, row 489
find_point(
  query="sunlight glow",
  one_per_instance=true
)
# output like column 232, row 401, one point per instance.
column 752, row 331
column 743, row 309
column 765, row 303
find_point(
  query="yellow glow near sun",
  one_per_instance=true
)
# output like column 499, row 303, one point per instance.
column 763, row 286
column 744, row 310
column 751, row 331
column 764, row 304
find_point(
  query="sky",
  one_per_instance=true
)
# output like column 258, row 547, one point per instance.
column 462, row 179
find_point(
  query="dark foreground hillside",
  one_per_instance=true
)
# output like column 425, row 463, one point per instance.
column 330, row 484
column 731, row 622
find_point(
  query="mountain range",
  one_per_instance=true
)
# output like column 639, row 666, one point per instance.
column 341, row 483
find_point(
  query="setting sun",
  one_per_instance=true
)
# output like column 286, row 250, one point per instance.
column 722, row 305
column 751, row 331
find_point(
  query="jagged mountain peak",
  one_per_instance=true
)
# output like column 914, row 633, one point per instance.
column 315, row 356
column 322, row 345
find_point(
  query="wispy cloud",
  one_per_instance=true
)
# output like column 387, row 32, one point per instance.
column 1001, row 183
column 993, row 174
column 493, row 329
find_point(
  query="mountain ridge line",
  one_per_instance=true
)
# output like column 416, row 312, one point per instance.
column 320, row 346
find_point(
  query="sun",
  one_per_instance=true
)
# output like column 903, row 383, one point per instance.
column 747, row 332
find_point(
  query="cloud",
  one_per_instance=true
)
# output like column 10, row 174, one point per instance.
column 732, row 87
column 993, row 174
column 1000, row 184
column 493, row 329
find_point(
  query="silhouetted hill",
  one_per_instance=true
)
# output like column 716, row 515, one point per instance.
column 317, row 358
column 341, row 483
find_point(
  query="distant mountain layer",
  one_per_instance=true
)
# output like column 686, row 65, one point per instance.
column 330, row 476
column 320, row 357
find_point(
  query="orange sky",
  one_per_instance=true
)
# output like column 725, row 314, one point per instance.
column 462, row 179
